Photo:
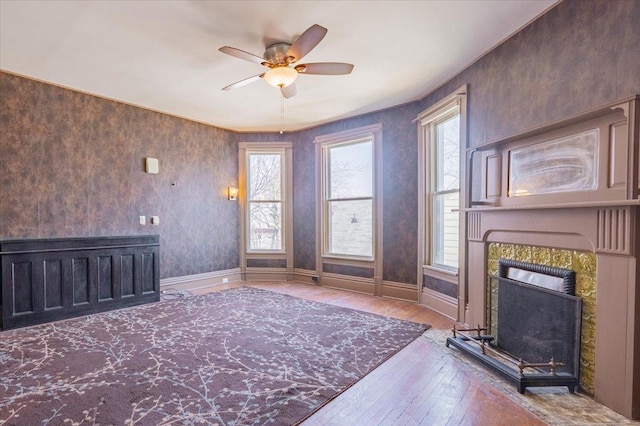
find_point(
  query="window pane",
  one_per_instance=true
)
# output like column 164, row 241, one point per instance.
column 264, row 176
column 265, row 226
column 351, row 170
column 351, row 227
column 448, row 153
column 445, row 230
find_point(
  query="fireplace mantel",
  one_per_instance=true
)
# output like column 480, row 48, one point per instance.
column 597, row 214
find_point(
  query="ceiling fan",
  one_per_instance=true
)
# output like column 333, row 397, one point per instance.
column 281, row 60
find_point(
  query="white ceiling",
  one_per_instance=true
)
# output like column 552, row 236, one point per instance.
column 163, row 55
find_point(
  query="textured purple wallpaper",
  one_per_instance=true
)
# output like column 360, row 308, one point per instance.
column 578, row 56
column 354, row 271
column 267, row 263
column 400, row 185
column 73, row 165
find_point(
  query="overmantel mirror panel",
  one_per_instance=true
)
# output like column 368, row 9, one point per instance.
column 589, row 158
column 566, row 164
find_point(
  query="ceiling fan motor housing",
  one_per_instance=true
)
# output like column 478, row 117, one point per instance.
column 276, row 54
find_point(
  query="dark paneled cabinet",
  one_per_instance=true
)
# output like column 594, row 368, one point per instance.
column 49, row 279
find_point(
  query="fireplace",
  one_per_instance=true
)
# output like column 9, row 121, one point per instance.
column 578, row 215
column 583, row 267
column 538, row 316
column 532, row 335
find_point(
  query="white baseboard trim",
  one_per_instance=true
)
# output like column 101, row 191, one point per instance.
column 446, row 305
column 203, row 280
column 400, row 291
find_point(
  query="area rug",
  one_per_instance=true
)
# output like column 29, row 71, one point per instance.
column 242, row 356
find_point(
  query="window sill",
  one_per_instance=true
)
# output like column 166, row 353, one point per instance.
column 443, row 274
column 266, row 254
column 346, row 260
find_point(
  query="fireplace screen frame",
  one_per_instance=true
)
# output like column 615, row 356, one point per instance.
column 555, row 317
column 564, row 288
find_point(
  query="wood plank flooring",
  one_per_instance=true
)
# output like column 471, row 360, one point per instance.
column 420, row 385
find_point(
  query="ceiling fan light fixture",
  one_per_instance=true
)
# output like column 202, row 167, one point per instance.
column 281, row 76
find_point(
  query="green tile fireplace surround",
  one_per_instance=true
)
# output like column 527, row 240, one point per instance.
column 584, row 265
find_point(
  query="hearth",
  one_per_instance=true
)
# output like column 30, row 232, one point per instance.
column 532, row 335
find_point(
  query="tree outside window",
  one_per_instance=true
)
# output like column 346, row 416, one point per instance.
column 265, row 201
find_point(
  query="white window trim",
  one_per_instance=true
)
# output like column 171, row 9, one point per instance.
column 284, row 200
column 284, row 148
column 456, row 100
column 429, row 126
column 375, row 133
column 326, row 199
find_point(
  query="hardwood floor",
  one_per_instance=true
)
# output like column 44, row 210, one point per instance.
column 420, row 385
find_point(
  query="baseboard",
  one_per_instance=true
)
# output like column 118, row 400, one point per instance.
column 349, row 283
column 400, row 291
column 446, row 305
column 267, row 274
column 306, row 276
column 390, row 289
column 204, row 280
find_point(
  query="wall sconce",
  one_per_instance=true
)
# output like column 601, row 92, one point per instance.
column 232, row 193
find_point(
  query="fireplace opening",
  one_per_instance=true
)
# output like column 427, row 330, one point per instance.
column 532, row 335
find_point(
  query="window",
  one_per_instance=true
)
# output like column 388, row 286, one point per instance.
column 265, row 201
column 349, row 208
column 441, row 143
column 266, row 210
column 442, row 194
column 349, row 187
column 445, row 190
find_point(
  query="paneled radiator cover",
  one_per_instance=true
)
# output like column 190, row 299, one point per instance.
column 50, row 279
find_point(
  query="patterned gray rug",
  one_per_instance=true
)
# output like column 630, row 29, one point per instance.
column 243, row 356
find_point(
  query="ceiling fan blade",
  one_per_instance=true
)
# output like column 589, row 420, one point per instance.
column 242, row 55
column 325, row 68
column 243, row 82
column 306, row 42
column 289, row 91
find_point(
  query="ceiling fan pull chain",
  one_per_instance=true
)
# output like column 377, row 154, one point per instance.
column 281, row 114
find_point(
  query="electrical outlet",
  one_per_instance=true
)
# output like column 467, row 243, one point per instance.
column 225, row 280
column 155, row 220
column 143, row 220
